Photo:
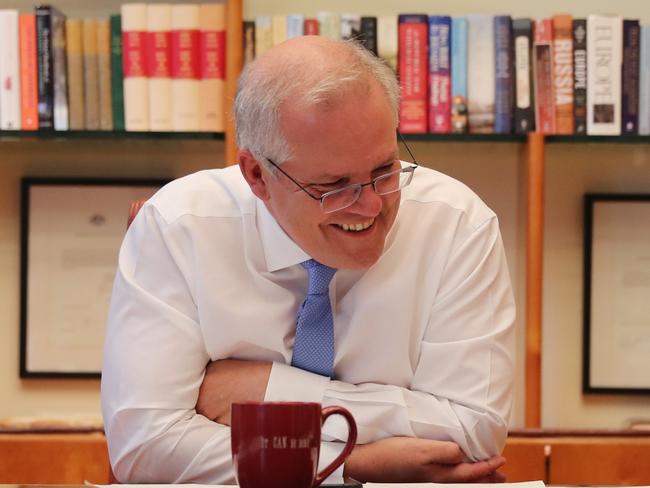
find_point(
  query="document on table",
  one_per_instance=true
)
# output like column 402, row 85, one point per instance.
column 527, row 484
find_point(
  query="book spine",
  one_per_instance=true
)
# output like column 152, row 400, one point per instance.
column 350, row 26
column 185, row 68
column 413, row 38
column 10, row 117
column 604, row 60
column 91, row 74
column 45, row 67
column 249, row 41
column 481, row 82
column 329, row 24
column 387, row 39
column 503, row 74
column 524, row 99
column 439, row 74
column 104, row 64
column 213, row 67
column 74, row 52
column 312, row 27
column 117, row 74
column 60, row 65
column 630, row 77
column 136, row 83
column 580, row 75
column 158, row 49
column 368, row 35
column 563, row 73
column 278, row 29
column 28, row 73
column 644, row 82
column 263, row 35
column 543, row 63
column 295, row 25
column 459, row 75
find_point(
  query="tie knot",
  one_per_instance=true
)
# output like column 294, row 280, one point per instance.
column 320, row 276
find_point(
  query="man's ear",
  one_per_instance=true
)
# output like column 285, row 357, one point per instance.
column 251, row 168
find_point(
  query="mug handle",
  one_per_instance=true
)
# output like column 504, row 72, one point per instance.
column 349, row 445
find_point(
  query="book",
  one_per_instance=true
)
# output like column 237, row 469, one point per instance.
column 630, row 77
column 249, row 41
column 295, row 25
column 28, row 72
column 543, row 74
column 368, row 34
column 159, row 54
column 45, row 65
column 604, row 60
column 481, row 82
column 74, row 54
column 580, row 75
column 413, row 72
column 524, row 119
column 312, row 28
column 459, row 75
column 59, row 71
column 350, row 26
column 503, row 78
column 185, row 70
column 212, row 67
column 563, row 73
column 644, row 81
column 104, row 65
column 10, row 117
column 278, row 29
column 387, row 38
column 263, row 34
column 439, row 74
column 91, row 74
column 329, row 24
column 117, row 74
column 136, row 83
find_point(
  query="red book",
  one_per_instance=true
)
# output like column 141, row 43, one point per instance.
column 544, row 93
column 28, row 73
column 413, row 72
column 311, row 27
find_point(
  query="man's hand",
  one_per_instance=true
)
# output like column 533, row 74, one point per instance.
column 411, row 460
column 228, row 381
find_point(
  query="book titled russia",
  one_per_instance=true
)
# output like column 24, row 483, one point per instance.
column 522, row 31
column 439, row 74
column 481, row 83
column 136, row 83
column 413, row 72
column 604, row 60
column 563, row 73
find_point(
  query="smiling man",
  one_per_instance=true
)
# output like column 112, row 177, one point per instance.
column 413, row 331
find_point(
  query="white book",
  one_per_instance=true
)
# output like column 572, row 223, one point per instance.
column 61, row 121
column 159, row 25
column 295, row 25
column 9, row 71
column 350, row 26
column 279, row 29
column 213, row 76
column 481, row 79
column 604, row 64
column 186, row 87
column 329, row 24
column 263, row 34
column 387, row 39
column 644, row 82
column 136, row 82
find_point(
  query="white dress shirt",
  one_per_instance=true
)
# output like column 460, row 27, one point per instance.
column 423, row 339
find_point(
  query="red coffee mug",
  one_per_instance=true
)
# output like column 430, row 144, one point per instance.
column 277, row 444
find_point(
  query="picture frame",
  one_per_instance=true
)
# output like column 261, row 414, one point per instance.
column 71, row 231
column 616, row 329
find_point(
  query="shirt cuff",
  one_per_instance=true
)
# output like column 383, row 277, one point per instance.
column 289, row 384
column 328, row 452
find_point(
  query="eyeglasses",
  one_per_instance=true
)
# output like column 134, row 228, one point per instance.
column 346, row 196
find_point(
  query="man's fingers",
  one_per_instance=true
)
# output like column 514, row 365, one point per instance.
column 473, row 472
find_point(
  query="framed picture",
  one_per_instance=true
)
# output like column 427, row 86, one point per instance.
column 71, row 232
column 616, row 347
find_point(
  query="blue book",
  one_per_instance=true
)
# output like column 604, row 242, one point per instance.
column 630, row 78
column 644, row 82
column 503, row 74
column 459, row 74
column 439, row 74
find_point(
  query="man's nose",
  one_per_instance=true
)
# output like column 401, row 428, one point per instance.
column 369, row 203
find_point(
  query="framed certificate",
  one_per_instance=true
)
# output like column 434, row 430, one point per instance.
column 71, row 232
column 616, row 347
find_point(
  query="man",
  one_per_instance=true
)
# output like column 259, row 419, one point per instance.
column 211, row 278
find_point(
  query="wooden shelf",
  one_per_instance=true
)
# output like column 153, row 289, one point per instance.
column 88, row 134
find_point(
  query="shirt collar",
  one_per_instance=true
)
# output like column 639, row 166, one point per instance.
column 280, row 251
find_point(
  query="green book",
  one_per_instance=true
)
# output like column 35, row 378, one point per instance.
column 117, row 79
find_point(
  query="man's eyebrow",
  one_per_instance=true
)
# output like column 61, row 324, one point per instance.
column 327, row 177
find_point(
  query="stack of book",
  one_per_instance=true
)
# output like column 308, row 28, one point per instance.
column 495, row 74
column 153, row 67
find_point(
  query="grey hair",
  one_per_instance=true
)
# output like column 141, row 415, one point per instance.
column 262, row 91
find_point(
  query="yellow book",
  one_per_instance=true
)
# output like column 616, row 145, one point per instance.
column 91, row 74
column 104, row 68
column 75, row 65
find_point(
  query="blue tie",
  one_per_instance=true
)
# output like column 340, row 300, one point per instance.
column 313, row 348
